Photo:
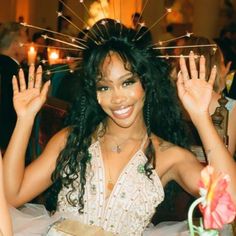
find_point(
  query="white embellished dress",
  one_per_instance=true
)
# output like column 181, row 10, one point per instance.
column 131, row 204
column 126, row 212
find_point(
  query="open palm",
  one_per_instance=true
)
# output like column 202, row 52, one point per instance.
column 28, row 99
column 195, row 93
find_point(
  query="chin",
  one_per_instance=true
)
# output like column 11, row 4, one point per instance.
column 124, row 123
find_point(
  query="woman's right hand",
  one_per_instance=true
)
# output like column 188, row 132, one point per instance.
column 28, row 99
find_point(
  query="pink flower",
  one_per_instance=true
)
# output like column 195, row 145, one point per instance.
column 218, row 208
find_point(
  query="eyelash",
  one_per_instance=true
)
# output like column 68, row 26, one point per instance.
column 102, row 88
column 126, row 83
column 129, row 82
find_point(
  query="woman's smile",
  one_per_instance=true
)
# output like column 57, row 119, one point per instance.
column 123, row 113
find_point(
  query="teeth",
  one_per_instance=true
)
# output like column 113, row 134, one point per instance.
column 122, row 111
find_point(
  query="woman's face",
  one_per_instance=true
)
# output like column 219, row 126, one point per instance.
column 120, row 93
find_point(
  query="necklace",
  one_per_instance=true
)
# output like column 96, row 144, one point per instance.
column 110, row 182
column 117, row 148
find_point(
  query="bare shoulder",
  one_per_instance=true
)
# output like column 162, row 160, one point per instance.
column 60, row 137
column 172, row 161
column 56, row 144
column 164, row 148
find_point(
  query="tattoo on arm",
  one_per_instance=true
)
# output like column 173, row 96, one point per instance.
column 165, row 145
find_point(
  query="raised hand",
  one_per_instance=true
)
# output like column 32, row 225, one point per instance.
column 195, row 93
column 28, row 99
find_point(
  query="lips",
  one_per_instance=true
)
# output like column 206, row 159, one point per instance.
column 123, row 113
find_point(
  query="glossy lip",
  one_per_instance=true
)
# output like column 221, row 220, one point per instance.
column 123, row 112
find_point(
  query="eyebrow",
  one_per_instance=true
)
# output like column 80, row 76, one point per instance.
column 119, row 78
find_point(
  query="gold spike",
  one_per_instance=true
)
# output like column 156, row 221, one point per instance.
column 51, row 46
column 62, row 41
column 143, row 10
column 101, row 34
column 140, row 17
column 76, row 15
column 176, row 56
column 50, row 72
column 52, row 31
column 62, row 16
column 156, row 22
column 186, row 46
column 173, row 39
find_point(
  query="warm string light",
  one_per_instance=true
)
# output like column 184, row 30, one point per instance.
column 32, row 54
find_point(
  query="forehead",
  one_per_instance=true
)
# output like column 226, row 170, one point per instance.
column 113, row 66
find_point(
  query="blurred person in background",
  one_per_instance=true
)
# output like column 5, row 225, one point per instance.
column 12, row 54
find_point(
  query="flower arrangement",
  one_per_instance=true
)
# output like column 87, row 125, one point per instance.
column 215, row 204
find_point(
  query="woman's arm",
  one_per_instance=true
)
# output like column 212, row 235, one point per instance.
column 5, row 220
column 195, row 94
column 27, row 99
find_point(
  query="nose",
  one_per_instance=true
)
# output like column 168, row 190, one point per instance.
column 118, row 97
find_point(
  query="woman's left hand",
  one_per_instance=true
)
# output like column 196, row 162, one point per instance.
column 195, row 93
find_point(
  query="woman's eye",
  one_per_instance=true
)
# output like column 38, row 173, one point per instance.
column 102, row 88
column 129, row 82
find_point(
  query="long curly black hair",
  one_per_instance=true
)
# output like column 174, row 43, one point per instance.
column 161, row 111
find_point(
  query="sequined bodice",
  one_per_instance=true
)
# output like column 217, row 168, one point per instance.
column 132, row 201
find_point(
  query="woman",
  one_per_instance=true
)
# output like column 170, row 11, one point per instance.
column 120, row 149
